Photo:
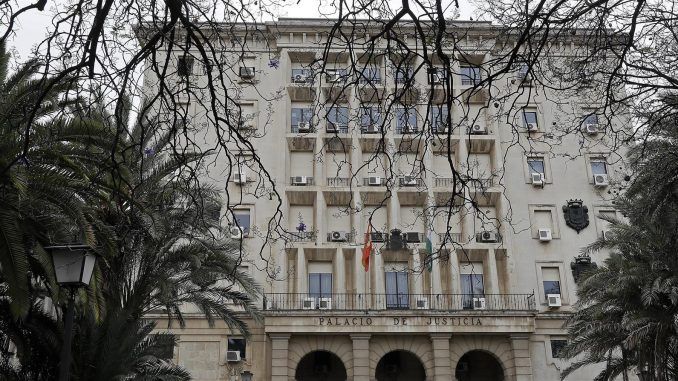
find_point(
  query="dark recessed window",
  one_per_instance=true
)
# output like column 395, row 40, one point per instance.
column 239, row 345
column 185, row 66
column 557, row 348
column 551, row 287
column 470, row 75
column 536, row 165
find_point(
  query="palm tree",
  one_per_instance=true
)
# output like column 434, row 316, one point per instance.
column 626, row 313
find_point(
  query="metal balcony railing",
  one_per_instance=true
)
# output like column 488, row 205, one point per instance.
column 336, row 128
column 400, row 301
column 301, row 180
column 408, row 129
column 445, row 182
column 308, row 236
column 449, row 237
column 482, row 183
column 410, row 181
column 373, row 129
column 338, row 181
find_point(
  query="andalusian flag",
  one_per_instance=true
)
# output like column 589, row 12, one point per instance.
column 429, row 252
column 367, row 248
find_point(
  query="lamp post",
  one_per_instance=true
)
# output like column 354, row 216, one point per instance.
column 73, row 266
column 246, row 376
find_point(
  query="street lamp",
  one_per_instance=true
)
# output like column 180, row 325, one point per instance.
column 73, row 266
column 246, row 376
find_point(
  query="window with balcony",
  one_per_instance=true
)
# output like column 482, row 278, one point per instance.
column 370, row 119
column 370, row 75
column 470, row 75
column 406, row 120
column 551, row 281
column 557, row 346
column 301, row 119
column 438, row 118
column 238, row 345
column 337, row 119
column 397, row 288
column 530, row 120
column 472, row 286
column 320, row 285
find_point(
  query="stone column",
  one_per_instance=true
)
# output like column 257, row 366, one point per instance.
column 521, row 357
column 340, row 272
column 492, row 272
column 417, row 278
column 302, row 274
column 279, row 350
column 442, row 368
column 361, row 357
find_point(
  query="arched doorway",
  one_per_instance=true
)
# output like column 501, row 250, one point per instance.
column 479, row 366
column 320, row 366
column 400, row 366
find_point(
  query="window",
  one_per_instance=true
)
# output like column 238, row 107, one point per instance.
column 370, row 75
column 439, row 115
column 530, row 117
column 185, row 66
column 239, row 345
column 470, row 75
column 336, row 75
column 320, row 285
column 242, row 218
column 166, row 350
column 339, row 117
column 551, row 281
column 302, row 75
column 370, row 117
column 472, row 286
column 557, row 346
column 523, row 70
column 397, row 289
column 406, row 119
column 591, row 119
column 598, row 167
column 404, row 74
column 207, row 66
column 536, row 165
column 300, row 115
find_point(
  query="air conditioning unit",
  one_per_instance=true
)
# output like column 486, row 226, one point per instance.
column 377, row 237
column 600, row 180
column 240, row 178
column 421, row 303
column 338, row 236
column 488, row 237
column 537, row 179
column 372, row 128
column 437, row 77
column 544, row 235
column 246, row 72
column 443, row 129
column 236, row 232
column 478, row 303
column 531, row 127
column 300, row 78
column 233, row 356
column 554, row 300
column 333, row 76
column 477, row 129
column 412, row 237
column 408, row 181
column 299, row 180
column 331, row 127
column 374, row 180
column 325, row 303
column 304, row 127
column 591, row 128
column 308, row 304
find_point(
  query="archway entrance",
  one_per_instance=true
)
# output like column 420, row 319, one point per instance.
column 479, row 366
column 320, row 366
column 400, row 366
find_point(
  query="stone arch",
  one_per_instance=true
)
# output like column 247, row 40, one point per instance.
column 419, row 346
column 498, row 347
column 300, row 346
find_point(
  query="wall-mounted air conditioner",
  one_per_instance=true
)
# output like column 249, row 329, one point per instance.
column 421, row 303
column 477, row 129
column 338, row 236
column 247, row 72
column 537, row 179
column 300, row 78
column 591, row 128
column 240, row 178
column 488, row 237
column 374, row 180
column 325, row 303
column 553, row 300
column 308, row 304
column 299, row 180
column 479, row 303
column 408, row 181
column 233, row 356
column 236, row 232
column 600, row 180
column 544, row 235
column 304, row 127
column 532, row 127
column 413, row 237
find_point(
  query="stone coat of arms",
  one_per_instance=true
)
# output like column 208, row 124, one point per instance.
column 576, row 215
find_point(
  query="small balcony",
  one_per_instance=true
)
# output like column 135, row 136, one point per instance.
column 449, row 238
column 297, row 236
column 309, row 302
column 338, row 181
column 338, row 236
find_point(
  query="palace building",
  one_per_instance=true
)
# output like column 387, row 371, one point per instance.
column 471, row 274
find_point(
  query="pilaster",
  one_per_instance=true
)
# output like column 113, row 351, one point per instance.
column 361, row 357
column 442, row 368
column 521, row 357
column 279, row 351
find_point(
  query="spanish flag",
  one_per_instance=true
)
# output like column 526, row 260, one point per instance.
column 367, row 248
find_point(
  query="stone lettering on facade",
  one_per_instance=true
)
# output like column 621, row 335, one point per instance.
column 400, row 321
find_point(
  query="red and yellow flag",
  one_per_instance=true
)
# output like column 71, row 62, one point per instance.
column 367, row 248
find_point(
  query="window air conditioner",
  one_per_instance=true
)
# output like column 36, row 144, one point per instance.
column 600, row 180
column 377, row 237
column 300, row 78
column 246, row 72
column 532, row 127
column 374, row 180
column 325, row 303
column 477, row 129
column 338, row 236
column 478, row 303
column 304, row 127
column 408, row 181
column 331, row 127
column 554, row 300
column 442, row 128
column 412, row 237
column 591, row 128
column 333, row 76
column 240, row 178
column 544, row 235
column 233, row 356
column 488, row 237
column 422, row 303
column 372, row 128
column 537, row 179
column 236, row 232
column 308, row 304
column 299, row 180
column 437, row 77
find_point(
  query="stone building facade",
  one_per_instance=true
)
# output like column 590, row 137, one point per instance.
column 492, row 303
